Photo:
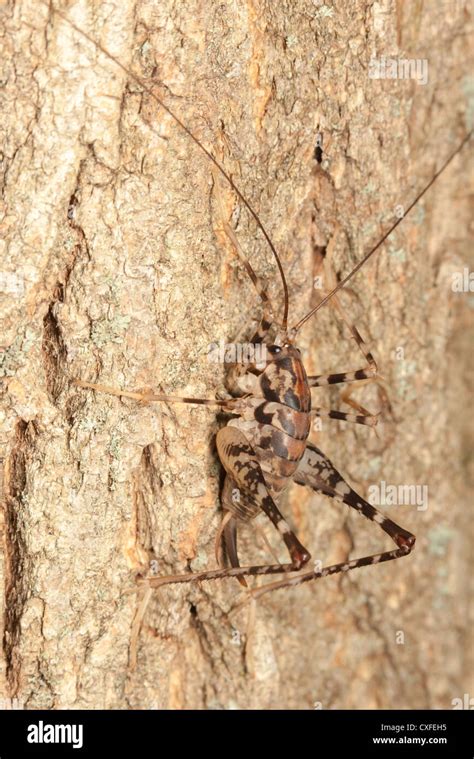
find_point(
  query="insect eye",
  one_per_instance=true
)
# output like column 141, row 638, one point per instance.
column 274, row 349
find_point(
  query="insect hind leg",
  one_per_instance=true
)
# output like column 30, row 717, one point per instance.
column 317, row 472
column 243, row 472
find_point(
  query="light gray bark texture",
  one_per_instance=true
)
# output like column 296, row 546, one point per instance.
column 116, row 268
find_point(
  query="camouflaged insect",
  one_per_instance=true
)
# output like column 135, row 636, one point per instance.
column 264, row 446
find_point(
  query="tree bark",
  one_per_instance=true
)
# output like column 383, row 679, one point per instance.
column 116, row 269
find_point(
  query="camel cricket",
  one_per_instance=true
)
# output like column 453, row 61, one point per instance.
column 264, row 445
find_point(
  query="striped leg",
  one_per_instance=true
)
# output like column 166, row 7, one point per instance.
column 228, row 404
column 317, row 472
column 370, row 372
column 339, row 378
column 244, row 472
column 240, row 374
column 241, row 464
column 360, row 342
column 337, row 305
column 364, row 418
column 384, row 401
column 346, row 397
column 237, row 371
column 264, row 326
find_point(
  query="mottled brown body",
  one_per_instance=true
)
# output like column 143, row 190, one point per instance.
column 277, row 422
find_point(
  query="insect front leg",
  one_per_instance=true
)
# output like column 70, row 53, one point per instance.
column 227, row 404
column 240, row 380
column 317, row 472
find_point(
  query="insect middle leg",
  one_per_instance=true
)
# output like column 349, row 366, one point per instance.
column 370, row 372
column 338, row 378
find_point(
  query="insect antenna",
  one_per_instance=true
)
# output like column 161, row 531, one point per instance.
column 387, row 234
column 197, row 142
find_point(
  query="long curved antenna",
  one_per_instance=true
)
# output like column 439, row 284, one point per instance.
column 361, row 263
column 186, row 129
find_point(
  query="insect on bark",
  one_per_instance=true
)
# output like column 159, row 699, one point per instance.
column 264, row 445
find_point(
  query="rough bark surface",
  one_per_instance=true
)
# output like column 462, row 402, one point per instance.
column 115, row 268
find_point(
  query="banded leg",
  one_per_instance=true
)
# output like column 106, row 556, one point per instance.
column 238, row 377
column 241, row 377
column 228, row 404
column 264, row 326
column 384, row 401
column 337, row 305
column 360, row 342
column 370, row 372
column 317, row 472
column 239, row 370
column 339, row 378
column 243, row 469
column 364, row 418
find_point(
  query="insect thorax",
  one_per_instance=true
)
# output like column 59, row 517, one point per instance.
column 276, row 423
